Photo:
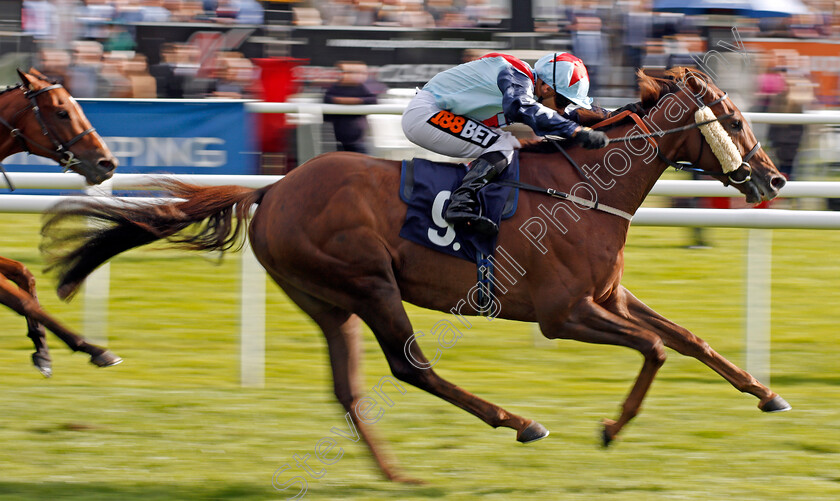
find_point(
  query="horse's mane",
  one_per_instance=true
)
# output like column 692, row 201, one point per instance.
column 651, row 91
column 7, row 89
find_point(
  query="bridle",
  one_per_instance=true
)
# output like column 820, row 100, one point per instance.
column 62, row 151
column 738, row 176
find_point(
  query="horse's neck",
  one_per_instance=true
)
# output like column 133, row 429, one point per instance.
column 647, row 165
column 9, row 106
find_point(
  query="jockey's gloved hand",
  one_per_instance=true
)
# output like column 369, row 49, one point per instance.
column 591, row 139
column 636, row 108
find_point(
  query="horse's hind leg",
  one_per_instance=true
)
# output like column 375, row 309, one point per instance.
column 686, row 343
column 595, row 323
column 385, row 315
column 27, row 305
column 343, row 332
column 23, row 278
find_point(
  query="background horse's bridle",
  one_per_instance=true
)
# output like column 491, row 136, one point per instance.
column 62, row 149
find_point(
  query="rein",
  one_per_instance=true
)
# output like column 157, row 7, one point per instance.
column 65, row 157
column 661, row 133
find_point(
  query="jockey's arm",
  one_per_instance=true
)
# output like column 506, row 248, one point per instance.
column 588, row 117
column 520, row 106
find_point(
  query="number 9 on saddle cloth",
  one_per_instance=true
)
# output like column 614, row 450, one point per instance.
column 425, row 187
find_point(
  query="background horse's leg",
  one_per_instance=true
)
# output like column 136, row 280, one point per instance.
column 23, row 278
column 686, row 343
column 343, row 332
column 26, row 305
column 594, row 323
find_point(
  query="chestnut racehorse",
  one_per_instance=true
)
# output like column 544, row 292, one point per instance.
column 43, row 119
column 328, row 235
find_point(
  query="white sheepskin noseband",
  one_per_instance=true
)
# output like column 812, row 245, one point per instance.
column 721, row 143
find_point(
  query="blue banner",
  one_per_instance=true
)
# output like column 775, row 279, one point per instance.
column 191, row 137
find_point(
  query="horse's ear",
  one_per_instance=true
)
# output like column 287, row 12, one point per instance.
column 25, row 79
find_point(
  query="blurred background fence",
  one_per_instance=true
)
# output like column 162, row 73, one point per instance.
column 757, row 268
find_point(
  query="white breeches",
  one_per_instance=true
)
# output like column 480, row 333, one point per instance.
column 469, row 142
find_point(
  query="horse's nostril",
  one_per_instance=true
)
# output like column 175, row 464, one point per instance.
column 777, row 182
column 107, row 165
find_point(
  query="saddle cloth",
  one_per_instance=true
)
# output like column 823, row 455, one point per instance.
column 425, row 186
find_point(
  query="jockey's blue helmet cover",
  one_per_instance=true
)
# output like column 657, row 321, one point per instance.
column 567, row 75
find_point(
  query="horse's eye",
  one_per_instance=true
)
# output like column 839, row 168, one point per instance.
column 63, row 114
column 737, row 125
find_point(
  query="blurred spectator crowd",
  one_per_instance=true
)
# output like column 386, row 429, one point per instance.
column 90, row 72
column 403, row 13
column 607, row 35
column 95, row 17
column 98, row 58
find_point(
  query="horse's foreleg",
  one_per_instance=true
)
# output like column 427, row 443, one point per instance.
column 686, row 343
column 23, row 278
column 26, row 305
column 593, row 323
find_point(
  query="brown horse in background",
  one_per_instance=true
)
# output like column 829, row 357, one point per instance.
column 43, row 119
column 328, row 235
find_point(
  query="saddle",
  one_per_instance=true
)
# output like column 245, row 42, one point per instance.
column 425, row 186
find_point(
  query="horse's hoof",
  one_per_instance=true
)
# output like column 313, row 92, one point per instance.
column 45, row 371
column 43, row 365
column 406, row 480
column 533, row 432
column 776, row 404
column 606, row 436
column 105, row 359
column 67, row 291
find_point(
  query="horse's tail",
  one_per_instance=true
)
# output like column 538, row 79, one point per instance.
column 79, row 235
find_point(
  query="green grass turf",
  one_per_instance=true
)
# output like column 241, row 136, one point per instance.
column 173, row 423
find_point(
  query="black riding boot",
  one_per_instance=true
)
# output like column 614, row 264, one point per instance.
column 463, row 204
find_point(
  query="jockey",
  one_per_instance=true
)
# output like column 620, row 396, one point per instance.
column 460, row 112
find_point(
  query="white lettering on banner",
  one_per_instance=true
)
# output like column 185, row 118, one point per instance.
column 152, row 152
column 211, row 158
column 168, row 151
